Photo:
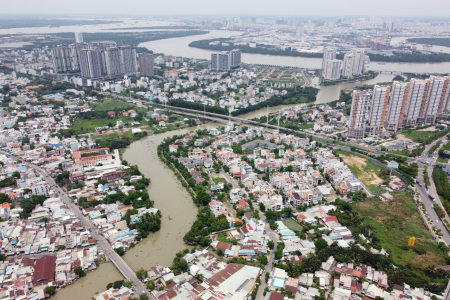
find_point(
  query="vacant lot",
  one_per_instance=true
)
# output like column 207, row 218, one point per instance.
column 292, row 225
column 218, row 179
column 394, row 223
column 365, row 171
column 85, row 125
column 111, row 105
column 425, row 137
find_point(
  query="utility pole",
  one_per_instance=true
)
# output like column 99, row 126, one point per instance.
column 279, row 113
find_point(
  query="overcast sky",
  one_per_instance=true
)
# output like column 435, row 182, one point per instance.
column 412, row 8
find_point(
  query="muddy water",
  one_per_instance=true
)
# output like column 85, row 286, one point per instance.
column 175, row 203
column 326, row 94
column 94, row 282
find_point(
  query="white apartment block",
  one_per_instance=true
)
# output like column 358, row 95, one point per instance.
column 332, row 69
column 397, row 105
column 358, row 114
column 329, row 53
column 347, row 66
column 360, row 61
column 378, row 110
column 40, row 188
column 417, row 96
column 437, row 99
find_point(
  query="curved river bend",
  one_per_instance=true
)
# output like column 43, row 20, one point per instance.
column 177, row 208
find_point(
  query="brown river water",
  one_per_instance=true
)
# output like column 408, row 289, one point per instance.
column 177, row 208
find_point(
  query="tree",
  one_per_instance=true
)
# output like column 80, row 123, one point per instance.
column 263, row 259
column 191, row 182
column 50, row 290
column 270, row 244
column 273, row 225
column 219, row 252
column 141, row 273
column 79, row 271
column 143, row 297
column 117, row 284
column 150, row 285
column 120, row 251
column 320, row 244
column 287, row 211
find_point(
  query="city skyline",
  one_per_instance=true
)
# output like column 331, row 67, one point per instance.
column 434, row 8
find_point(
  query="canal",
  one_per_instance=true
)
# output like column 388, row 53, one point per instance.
column 171, row 198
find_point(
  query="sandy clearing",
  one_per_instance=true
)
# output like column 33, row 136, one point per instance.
column 432, row 128
column 360, row 163
column 402, row 137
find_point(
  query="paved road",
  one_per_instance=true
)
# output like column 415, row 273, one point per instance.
column 272, row 235
column 102, row 243
column 431, row 190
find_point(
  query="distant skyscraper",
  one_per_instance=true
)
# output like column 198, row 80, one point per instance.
column 358, row 114
column 113, row 61
column 332, row 69
column 347, row 66
column 128, row 59
column 78, row 37
column 146, row 64
column 91, row 63
column 360, row 62
column 329, row 53
column 62, row 59
column 378, row 109
column 101, row 60
column 235, row 58
column 225, row 60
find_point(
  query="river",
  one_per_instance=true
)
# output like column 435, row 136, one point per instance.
column 179, row 47
column 94, row 282
column 126, row 23
column 439, row 49
column 174, row 202
column 326, row 94
column 171, row 198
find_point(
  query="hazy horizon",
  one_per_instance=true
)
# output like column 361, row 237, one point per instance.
column 350, row 8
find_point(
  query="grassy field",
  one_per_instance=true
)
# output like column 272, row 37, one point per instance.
column 366, row 171
column 292, row 225
column 306, row 126
column 422, row 136
column 218, row 179
column 111, row 105
column 394, row 222
column 223, row 237
column 442, row 160
column 398, row 152
column 84, row 125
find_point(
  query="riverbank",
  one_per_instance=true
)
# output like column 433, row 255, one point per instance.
column 171, row 198
column 397, row 57
column 370, row 75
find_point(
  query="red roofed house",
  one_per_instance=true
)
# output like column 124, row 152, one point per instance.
column 44, row 270
column 242, row 204
column 330, row 219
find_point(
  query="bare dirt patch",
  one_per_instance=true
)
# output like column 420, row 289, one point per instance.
column 432, row 128
column 360, row 163
column 428, row 259
column 402, row 137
